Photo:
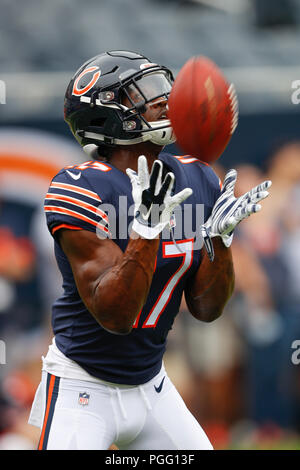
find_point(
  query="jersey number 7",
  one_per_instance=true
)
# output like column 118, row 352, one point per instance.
column 169, row 250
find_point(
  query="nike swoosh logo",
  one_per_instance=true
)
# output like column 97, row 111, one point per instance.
column 159, row 388
column 75, row 176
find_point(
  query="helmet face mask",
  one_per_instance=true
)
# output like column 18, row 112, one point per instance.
column 150, row 87
column 111, row 97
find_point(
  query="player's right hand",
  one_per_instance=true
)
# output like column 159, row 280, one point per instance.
column 153, row 203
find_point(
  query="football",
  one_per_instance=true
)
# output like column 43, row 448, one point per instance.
column 203, row 109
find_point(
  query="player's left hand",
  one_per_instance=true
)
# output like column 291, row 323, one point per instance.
column 229, row 211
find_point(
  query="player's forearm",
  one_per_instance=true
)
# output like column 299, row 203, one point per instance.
column 122, row 291
column 212, row 285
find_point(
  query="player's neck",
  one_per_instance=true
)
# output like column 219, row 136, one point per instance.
column 127, row 157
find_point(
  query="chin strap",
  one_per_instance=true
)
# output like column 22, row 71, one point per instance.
column 158, row 132
column 159, row 137
column 111, row 140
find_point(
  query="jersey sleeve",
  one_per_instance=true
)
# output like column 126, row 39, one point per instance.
column 73, row 204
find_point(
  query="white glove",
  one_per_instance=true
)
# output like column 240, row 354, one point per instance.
column 229, row 211
column 153, row 203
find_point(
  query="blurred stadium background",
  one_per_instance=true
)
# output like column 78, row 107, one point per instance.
column 238, row 375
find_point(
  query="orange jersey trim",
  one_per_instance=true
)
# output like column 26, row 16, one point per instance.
column 71, row 227
column 51, row 387
column 186, row 159
column 78, row 202
column 76, row 189
column 62, row 210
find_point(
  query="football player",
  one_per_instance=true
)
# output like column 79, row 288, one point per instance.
column 103, row 378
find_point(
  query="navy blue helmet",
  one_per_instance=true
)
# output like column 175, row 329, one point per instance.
column 94, row 101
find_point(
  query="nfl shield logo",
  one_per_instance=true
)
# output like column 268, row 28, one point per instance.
column 83, row 398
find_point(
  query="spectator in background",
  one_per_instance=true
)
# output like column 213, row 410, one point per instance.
column 16, row 394
column 22, row 321
column 19, row 297
column 265, row 256
column 284, row 168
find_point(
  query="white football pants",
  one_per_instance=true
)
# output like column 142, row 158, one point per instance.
column 82, row 415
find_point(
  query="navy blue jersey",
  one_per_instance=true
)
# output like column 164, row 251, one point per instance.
column 97, row 196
